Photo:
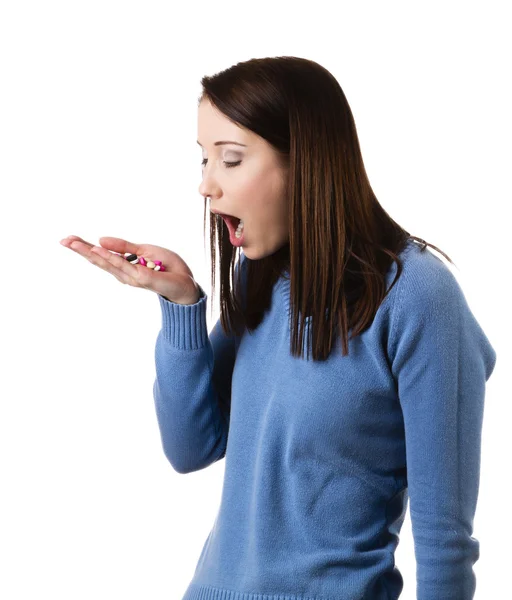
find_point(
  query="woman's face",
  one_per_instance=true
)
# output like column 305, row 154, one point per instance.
column 253, row 189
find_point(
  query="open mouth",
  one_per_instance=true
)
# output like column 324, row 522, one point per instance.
column 235, row 226
column 229, row 219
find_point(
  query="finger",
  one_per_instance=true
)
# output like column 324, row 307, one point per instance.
column 120, row 245
column 119, row 264
column 77, row 244
column 74, row 238
column 112, row 263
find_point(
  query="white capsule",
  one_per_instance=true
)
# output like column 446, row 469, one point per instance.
column 157, row 268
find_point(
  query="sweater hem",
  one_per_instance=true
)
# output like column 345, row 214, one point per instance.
column 197, row 591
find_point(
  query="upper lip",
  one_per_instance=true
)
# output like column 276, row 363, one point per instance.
column 217, row 212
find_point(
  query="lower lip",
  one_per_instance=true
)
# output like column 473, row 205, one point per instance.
column 232, row 237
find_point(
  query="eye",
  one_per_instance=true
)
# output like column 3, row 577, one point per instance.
column 228, row 164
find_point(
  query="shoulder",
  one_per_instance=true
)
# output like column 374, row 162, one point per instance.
column 428, row 300
column 426, row 281
column 430, row 311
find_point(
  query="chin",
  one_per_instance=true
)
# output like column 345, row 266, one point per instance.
column 254, row 254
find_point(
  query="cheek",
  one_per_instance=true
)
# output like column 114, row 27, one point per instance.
column 264, row 194
column 266, row 188
column 250, row 186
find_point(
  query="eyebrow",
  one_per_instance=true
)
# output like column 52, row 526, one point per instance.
column 221, row 143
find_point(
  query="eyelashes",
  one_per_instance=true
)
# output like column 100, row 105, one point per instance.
column 228, row 164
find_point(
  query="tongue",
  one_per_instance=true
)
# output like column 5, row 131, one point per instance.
column 231, row 222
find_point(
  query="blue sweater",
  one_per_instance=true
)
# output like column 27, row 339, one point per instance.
column 323, row 458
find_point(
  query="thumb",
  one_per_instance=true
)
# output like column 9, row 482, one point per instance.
column 119, row 245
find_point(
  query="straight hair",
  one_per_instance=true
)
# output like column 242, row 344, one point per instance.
column 342, row 242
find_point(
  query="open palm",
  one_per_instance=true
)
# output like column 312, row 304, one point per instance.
column 175, row 283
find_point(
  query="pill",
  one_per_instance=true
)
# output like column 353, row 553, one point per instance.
column 130, row 257
column 150, row 264
column 158, row 262
column 142, row 261
column 157, row 268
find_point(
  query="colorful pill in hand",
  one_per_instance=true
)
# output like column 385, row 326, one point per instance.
column 132, row 258
column 150, row 264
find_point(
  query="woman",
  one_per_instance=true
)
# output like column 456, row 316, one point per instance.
column 325, row 441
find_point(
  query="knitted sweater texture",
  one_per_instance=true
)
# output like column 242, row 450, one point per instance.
column 323, row 458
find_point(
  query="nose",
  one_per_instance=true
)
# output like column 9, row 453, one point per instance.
column 208, row 185
column 206, row 189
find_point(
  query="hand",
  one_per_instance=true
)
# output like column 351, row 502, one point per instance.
column 176, row 283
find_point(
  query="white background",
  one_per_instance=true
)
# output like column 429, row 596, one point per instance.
column 98, row 129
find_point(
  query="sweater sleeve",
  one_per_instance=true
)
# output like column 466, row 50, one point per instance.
column 192, row 388
column 441, row 360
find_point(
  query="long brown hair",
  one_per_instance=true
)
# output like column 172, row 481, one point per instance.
column 342, row 242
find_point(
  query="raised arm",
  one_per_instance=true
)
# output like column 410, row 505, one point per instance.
column 192, row 388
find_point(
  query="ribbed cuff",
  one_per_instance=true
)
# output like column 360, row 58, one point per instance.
column 184, row 325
